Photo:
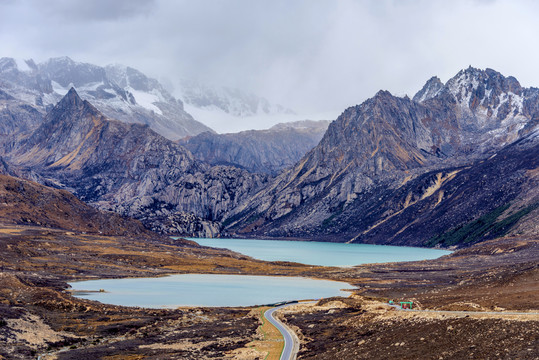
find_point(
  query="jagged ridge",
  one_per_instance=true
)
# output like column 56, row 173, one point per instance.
column 264, row 151
column 347, row 188
column 120, row 92
column 128, row 168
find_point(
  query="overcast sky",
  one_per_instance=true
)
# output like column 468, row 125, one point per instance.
column 310, row 55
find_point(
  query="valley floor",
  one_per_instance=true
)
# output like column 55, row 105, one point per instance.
column 39, row 317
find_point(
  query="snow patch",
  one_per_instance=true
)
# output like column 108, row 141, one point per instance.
column 463, row 86
column 22, row 65
column 517, row 102
column 92, row 86
column 50, row 99
column 487, row 96
column 57, row 88
column 146, row 100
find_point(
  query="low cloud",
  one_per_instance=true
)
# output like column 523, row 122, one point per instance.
column 313, row 56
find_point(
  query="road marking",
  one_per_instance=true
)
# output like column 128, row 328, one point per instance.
column 291, row 341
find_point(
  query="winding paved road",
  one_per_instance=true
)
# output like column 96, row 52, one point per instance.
column 291, row 341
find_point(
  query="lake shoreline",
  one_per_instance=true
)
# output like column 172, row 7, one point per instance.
column 316, row 253
column 35, row 269
column 195, row 290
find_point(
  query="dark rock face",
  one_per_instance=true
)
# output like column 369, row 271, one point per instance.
column 128, row 168
column 262, row 151
column 447, row 200
column 391, row 166
column 119, row 92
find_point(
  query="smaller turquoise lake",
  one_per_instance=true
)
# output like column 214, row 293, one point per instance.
column 206, row 290
column 322, row 253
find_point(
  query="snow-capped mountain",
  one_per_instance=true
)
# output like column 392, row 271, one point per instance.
column 120, row 92
column 398, row 171
column 489, row 106
column 220, row 107
column 429, row 90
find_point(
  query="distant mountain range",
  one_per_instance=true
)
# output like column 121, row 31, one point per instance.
column 455, row 165
column 262, row 151
column 129, row 169
column 126, row 94
column 424, row 172
column 118, row 91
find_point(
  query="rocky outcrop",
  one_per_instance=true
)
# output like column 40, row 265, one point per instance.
column 386, row 162
column 433, row 86
column 119, row 92
column 263, row 151
column 128, row 168
column 165, row 221
column 209, row 194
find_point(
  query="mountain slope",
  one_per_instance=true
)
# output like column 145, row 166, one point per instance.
column 17, row 116
column 264, row 151
column 28, row 203
column 452, row 206
column 119, row 92
column 379, row 162
column 128, row 168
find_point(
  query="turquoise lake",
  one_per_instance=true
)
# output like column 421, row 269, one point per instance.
column 322, row 253
column 206, row 290
column 245, row 290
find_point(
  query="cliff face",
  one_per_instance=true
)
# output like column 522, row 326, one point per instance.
column 262, row 151
column 387, row 154
column 128, row 168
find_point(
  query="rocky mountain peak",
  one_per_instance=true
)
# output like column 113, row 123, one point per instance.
column 70, row 104
column 62, row 60
column 382, row 94
column 7, row 64
column 481, row 83
column 67, row 72
column 66, row 131
column 485, row 103
column 260, row 151
column 16, row 65
column 470, row 85
column 431, row 88
column 72, row 97
column 126, row 76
